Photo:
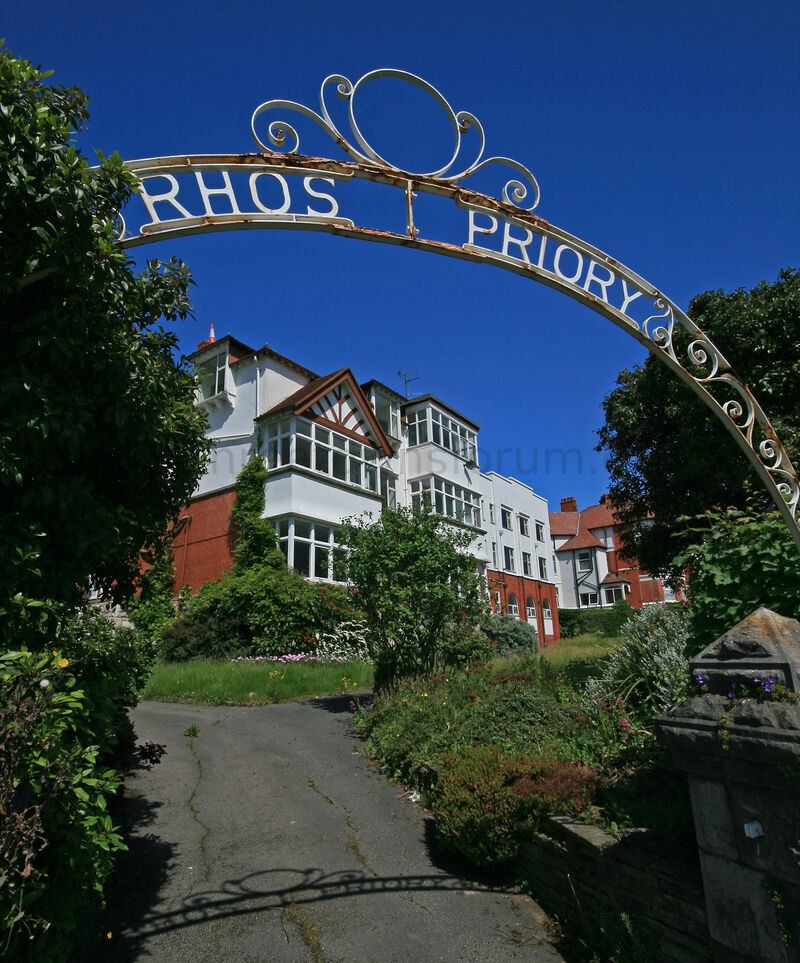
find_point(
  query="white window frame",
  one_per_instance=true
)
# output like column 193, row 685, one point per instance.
column 584, row 560
column 417, row 424
column 506, row 519
column 358, row 461
column 524, row 525
column 543, row 569
column 448, row 499
column 615, row 594
column 527, row 564
column 539, row 531
column 215, row 370
column 513, row 605
column 508, row 558
column 287, row 530
column 452, row 436
column 589, row 599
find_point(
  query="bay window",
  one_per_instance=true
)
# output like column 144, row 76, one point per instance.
column 308, row 445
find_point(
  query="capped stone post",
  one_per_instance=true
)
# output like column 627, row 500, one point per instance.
column 738, row 739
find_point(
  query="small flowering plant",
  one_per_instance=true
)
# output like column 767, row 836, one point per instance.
column 761, row 688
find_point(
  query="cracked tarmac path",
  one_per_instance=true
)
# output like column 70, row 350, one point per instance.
column 267, row 837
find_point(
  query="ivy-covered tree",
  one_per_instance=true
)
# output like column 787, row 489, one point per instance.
column 100, row 441
column 416, row 584
column 668, row 455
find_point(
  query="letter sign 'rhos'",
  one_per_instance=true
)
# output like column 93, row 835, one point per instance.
column 280, row 188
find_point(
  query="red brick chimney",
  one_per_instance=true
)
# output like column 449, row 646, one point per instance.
column 605, row 499
column 569, row 504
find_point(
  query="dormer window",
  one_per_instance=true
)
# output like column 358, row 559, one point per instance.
column 211, row 374
column 387, row 412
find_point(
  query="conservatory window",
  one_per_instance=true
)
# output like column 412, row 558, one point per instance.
column 299, row 442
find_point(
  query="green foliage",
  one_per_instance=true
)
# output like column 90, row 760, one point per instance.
column 739, row 560
column 574, row 754
column 511, row 636
column 486, row 801
column 667, row 454
column 152, row 610
column 57, row 837
column 415, row 582
column 574, row 622
column 265, row 609
column 461, row 649
column 111, row 666
column 649, row 669
column 100, row 442
column 477, row 811
column 255, row 540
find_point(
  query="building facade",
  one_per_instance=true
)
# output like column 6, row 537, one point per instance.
column 336, row 448
column 593, row 572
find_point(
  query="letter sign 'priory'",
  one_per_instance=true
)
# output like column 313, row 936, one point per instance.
column 278, row 187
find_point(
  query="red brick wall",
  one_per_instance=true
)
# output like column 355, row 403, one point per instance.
column 202, row 548
column 522, row 587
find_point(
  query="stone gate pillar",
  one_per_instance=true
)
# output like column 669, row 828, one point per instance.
column 741, row 751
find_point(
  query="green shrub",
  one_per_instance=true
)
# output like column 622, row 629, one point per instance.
column 460, row 649
column 56, row 836
column 477, row 812
column 486, row 801
column 152, row 610
column 111, row 665
column 648, row 670
column 202, row 636
column 511, row 636
column 265, row 609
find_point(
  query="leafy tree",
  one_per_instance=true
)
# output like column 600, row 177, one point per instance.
column 668, row 456
column 100, row 441
column 738, row 560
column 416, row 584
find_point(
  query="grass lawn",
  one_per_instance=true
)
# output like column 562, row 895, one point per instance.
column 214, row 682
column 579, row 657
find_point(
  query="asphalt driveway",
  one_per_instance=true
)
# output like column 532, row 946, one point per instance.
column 267, row 837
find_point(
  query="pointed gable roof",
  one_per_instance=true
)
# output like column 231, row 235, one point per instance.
column 336, row 401
column 581, row 540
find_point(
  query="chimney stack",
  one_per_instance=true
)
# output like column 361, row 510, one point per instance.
column 569, row 504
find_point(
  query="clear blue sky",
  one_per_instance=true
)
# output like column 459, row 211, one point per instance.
column 668, row 135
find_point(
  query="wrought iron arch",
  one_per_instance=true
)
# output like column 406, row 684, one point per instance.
column 502, row 231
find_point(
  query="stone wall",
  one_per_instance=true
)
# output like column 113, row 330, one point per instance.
column 574, row 868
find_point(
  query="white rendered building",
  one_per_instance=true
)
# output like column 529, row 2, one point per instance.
column 337, row 449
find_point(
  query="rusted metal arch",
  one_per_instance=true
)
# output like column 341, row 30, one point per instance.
column 705, row 367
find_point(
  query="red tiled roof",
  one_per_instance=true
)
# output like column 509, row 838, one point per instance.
column 598, row 516
column 564, row 523
column 581, row 540
column 613, row 578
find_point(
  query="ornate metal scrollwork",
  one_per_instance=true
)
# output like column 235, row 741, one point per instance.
column 710, row 372
column 522, row 192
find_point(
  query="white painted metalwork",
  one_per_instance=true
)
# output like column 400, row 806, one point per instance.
column 514, row 192
column 497, row 231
